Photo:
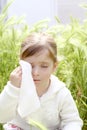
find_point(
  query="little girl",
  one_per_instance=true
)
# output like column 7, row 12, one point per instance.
column 57, row 110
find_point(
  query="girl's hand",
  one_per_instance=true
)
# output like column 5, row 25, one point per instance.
column 16, row 77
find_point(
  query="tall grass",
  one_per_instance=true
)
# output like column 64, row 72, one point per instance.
column 72, row 69
column 10, row 38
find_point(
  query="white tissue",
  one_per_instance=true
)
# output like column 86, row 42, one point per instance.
column 28, row 99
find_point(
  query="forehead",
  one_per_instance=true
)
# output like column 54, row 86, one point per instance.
column 42, row 56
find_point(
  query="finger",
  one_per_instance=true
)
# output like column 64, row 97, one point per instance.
column 17, row 69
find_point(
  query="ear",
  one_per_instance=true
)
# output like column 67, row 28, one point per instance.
column 55, row 66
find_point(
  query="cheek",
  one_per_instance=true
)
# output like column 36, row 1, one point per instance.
column 47, row 72
column 45, row 77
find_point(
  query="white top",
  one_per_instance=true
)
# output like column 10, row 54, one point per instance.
column 57, row 108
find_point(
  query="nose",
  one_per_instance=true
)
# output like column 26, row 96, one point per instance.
column 35, row 71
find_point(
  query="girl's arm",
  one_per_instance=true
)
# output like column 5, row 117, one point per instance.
column 9, row 96
column 70, row 119
column 8, row 102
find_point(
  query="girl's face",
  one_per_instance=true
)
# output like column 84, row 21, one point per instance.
column 42, row 67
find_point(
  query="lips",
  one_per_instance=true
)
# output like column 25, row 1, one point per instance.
column 36, row 80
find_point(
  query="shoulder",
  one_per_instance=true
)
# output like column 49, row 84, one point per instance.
column 55, row 80
column 61, row 90
column 58, row 85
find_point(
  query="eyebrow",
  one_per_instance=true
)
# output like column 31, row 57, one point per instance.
column 43, row 62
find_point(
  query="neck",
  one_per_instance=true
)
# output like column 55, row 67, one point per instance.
column 42, row 89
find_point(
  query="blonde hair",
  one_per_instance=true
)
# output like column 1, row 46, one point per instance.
column 35, row 43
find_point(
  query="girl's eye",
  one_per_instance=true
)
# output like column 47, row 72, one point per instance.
column 44, row 66
column 32, row 66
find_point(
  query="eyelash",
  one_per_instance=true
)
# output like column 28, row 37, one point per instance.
column 43, row 66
